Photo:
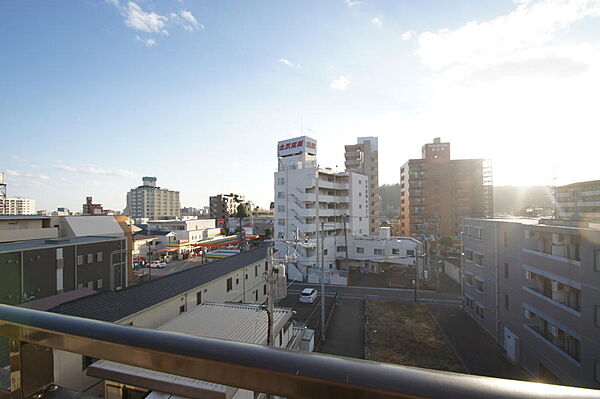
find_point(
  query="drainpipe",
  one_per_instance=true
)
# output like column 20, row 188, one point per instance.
column 497, row 283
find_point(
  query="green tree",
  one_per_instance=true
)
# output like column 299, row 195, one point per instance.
column 447, row 242
column 242, row 212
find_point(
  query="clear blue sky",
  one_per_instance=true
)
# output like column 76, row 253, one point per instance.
column 95, row 93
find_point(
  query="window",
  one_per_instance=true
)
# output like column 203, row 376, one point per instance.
column 506, row 302
column 198, row 297
column 256, row 271
column 506, row 270
column 469, row 302
column 99, row 283
column 79, row 260
column 90, row 258
column 181, row 309
column 410, row 252
column 266, row 266
column 395, row 251
column 229, row 284
column 479, row 311
column 281, row 222
column 280, row 194
column 469, row 279
column 280, row 181
column 479, row 285
column 256, row 296
column 237, row 281
column 99, row 257
column 280, row 208
column 378, row 251
column 324, row 252
column 280, row 338
column 505, row 239
column 360, row 250
column 265, row 289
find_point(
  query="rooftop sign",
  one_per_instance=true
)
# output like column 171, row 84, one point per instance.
column 297, row 146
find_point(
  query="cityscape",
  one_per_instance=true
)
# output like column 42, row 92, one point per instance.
column 348, row 250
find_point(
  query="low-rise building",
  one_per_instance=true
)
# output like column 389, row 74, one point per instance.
column 237, row 278
column 223, row 206
column 534, row 286
column 233, row 322
column 179, row 238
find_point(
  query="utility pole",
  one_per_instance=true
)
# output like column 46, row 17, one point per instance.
column 322, row 281
column 270, row 279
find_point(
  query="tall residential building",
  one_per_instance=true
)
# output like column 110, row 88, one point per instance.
column 17, row 206
column 363, row 158
column 534, row 286
column 89, row 208
column 223, row 206
column 308, row 198
column 151, row 202
column 581, row 200
column 437, row 192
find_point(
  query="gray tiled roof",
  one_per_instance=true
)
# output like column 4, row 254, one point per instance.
column 116, row 305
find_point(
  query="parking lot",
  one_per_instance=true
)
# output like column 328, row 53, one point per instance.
column 309, row 313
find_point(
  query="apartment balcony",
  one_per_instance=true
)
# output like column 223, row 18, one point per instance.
column 28, row 234
column 33, row 335
column 557, row 258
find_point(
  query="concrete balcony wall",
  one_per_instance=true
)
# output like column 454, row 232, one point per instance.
column 28, row 234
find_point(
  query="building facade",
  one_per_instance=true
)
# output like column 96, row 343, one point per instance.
column 22, row 228
column 436, row 192
column 310, row 200
column 534, row 286
column 17, row 206
column 151, row 202
column 363, row 158
column 89, row 208
column 40, row 268
column 235, row 279
column 578, row 199
column 223, row 206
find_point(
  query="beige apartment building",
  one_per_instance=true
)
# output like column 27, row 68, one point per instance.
column 151, row 202
column 363, row 158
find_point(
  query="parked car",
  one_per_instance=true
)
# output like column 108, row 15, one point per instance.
column 158, row 264
column 308, row 295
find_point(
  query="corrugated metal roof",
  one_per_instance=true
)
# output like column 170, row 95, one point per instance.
column 116, row 305
column 97, row 225
column 233, row 322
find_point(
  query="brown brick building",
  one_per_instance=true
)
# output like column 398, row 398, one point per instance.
column 436, row 192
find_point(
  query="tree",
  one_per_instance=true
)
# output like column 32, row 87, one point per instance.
column 242, row 212
column 447, row 242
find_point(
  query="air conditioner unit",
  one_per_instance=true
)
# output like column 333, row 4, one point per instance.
column 528, row 275
column 528, row 314
column 555, row 286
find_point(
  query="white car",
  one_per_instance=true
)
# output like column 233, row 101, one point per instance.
column 158, row 264
column 308, row 295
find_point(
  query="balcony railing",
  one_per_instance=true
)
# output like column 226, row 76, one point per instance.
column 258, row 368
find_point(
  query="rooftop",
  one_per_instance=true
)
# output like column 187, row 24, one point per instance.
column 24, row 217
column 116, row 305
column 53, row 242
column 233, row 322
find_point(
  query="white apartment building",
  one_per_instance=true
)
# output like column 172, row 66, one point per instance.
column 17, row 206
column 151, row 202
column 179, row 236
column 308, row 199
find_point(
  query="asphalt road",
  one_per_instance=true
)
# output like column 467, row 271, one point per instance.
column 353, row 292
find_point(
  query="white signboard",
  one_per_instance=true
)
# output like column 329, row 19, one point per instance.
column 297, row 146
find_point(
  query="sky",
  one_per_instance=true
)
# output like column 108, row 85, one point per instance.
column 95, row 94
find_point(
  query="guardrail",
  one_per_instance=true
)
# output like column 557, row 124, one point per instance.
column 258, row 368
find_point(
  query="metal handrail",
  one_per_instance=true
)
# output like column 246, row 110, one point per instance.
column 259, row 368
